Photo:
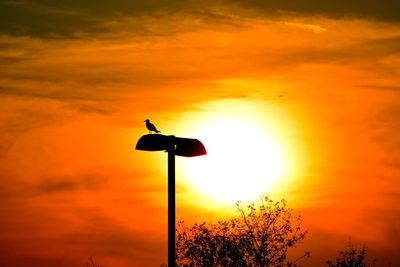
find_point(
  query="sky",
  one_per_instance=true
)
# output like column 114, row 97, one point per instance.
column 78, row 78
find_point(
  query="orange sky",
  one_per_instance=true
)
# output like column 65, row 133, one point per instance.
column 76, row 84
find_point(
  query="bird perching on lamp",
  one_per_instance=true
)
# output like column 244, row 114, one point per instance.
column 151, row 127
column 175, row 146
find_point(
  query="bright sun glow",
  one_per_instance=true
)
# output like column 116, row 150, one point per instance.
column 243, row 160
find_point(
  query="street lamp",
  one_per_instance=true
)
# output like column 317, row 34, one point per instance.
column 185, row 147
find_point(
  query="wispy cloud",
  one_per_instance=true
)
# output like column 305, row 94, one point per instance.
column 311, row 27
column 42, row 7
column 67, row 19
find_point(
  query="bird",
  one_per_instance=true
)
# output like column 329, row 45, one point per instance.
column 151, row 127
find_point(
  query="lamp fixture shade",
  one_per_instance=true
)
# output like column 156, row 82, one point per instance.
column 185, row 147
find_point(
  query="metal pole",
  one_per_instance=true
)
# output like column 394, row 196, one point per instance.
column 171, row 205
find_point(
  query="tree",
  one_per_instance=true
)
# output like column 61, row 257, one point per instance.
column 90, row 263
column 260, row 236
column 351, row 258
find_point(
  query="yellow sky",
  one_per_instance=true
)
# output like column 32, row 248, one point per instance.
column 72, row 110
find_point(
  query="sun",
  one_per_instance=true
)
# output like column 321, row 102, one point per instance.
column 243, row 160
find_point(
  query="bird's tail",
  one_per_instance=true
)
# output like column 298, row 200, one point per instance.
column 157, row 131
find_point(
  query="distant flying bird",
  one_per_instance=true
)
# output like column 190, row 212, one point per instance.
column 151, row 127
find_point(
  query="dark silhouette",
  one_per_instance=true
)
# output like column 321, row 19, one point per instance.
column 351, row 258
column 260, row 236
column 175, row 146
column 91, row 263
column 151, row 127
column 185, row 147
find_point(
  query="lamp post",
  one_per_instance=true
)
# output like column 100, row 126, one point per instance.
column 185, row 147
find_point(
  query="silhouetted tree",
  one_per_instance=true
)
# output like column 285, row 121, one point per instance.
column 260, row 236
column 90, row 263
column 351, row 258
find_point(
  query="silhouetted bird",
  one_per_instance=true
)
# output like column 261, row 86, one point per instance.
column 151, row 127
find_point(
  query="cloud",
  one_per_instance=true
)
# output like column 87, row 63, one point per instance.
column 383, row 10
column 386, row 126
column 107, row 241
column 40, row 7
column 311, row 27
column 74, row 19
column 109, row 76
column 70, row 18
column 95, row 235
column 66, row 219
column 89, row 182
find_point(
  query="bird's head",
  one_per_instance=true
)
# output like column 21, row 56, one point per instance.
column 147, row 120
